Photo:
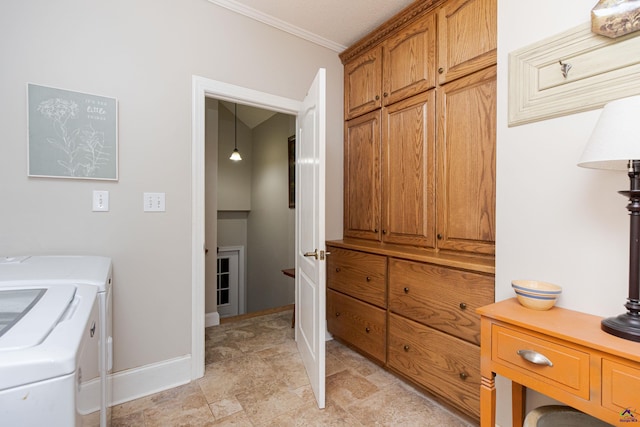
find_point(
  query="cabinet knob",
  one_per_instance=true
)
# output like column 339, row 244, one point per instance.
column 337, row 314
column 440, row 70
column 439, row 236
column 463, row 306
column 406, row 290
column 375, row 230
column 367, row 330
column 337, row 269
column 377, row 97
column 384, row 231
column 464, row 376
column 368, row 279
column 385, row 94
column 406, row 348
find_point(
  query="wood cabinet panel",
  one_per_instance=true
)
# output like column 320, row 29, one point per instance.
column 363, row 83
column 569, row 368
column 362, row 191
column 443, row 298
column 467, row 163
column 445, row 365
column 408, row 177
column 409, row 60
column 361, row 275
column 467, row 37
column 620, row 385
column 357, row 323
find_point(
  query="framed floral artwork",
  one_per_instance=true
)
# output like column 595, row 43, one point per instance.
column 71, row 134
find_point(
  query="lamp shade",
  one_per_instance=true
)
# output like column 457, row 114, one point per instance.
column 616, row 137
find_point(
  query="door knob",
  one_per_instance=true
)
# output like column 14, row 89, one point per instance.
column 312, row 254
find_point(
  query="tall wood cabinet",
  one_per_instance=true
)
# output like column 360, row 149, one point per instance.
column 419, row 196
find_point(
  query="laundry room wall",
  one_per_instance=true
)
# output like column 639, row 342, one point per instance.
column 144, row 54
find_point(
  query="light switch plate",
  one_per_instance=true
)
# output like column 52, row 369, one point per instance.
column 100, row 201
column 154, row 202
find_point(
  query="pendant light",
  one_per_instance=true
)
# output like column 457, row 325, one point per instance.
column 235, row 155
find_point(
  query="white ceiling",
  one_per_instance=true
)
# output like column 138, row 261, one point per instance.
column 335, row 24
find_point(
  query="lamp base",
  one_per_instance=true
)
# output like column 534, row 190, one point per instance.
column 624, row 326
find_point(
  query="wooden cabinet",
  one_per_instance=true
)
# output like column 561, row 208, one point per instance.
column 467, row 37
column 561, row 353
column 409, row 60
column 358, row 274
column 443, row 298
column 466, row 147
column 447, row 366
column 363, row 83
column 408, row 177
column 362, row 179
column 361, row 325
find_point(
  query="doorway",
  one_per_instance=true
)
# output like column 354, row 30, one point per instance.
column 203, row 88
column 253, row 210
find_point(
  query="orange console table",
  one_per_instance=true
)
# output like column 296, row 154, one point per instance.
column 562, row 354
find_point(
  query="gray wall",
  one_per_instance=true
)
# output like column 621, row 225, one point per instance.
column 143, row 53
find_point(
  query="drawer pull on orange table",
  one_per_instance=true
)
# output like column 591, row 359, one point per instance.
column 534, row 357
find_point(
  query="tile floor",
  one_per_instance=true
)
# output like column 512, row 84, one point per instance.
column 254, row 377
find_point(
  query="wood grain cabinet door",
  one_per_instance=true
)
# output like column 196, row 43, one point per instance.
column 362, row 177
column 408, row 176
column 409, row 60
column 467, row 163
column 467, row 37
column 363, row 83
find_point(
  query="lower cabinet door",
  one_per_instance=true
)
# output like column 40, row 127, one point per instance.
column 357, row 323
column 445, row 365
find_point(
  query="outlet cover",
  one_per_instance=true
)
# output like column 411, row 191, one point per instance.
column 100, row 201
column 154, row 202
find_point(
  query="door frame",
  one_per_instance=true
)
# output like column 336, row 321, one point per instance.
column 202, row 88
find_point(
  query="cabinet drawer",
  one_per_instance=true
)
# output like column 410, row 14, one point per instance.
column 445, row 365
column 358, row 274
column 440, row 297
column 357, row 323
column 620, row 386
column 570, row 369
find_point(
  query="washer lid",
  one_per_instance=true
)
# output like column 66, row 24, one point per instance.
column 28, row 315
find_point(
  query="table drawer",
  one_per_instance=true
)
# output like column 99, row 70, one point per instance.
column 358, row 274
column 357, row 323
column 620, row 386
column 569, row 370
column 445, row 365
column 440, row 297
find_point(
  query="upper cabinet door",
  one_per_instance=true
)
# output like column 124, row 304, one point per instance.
column 467, row 37
column 408, row 177
column 409, row 58
column 363, row 83
column 467, row 163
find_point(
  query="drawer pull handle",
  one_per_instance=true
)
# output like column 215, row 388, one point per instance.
column 367, row 330
column 368, row 279
column 463, row 306
column 406, row 290
column 534, row 357
column 464, row 376
column 406, row 348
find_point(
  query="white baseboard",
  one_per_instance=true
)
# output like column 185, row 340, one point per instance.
column 211, row 319
column 145, row 380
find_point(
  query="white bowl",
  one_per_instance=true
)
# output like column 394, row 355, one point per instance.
column 535, row 294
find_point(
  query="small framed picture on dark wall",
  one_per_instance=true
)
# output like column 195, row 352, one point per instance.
column 292, row 171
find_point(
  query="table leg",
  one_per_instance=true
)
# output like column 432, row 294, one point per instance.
column 518, row 402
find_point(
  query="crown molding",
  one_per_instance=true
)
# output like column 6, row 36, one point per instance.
column 279, row 24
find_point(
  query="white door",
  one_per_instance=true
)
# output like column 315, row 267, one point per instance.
column 310, row 239
column 227, row 283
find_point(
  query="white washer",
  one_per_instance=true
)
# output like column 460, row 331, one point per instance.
column 45, row 332
column 91, row 270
